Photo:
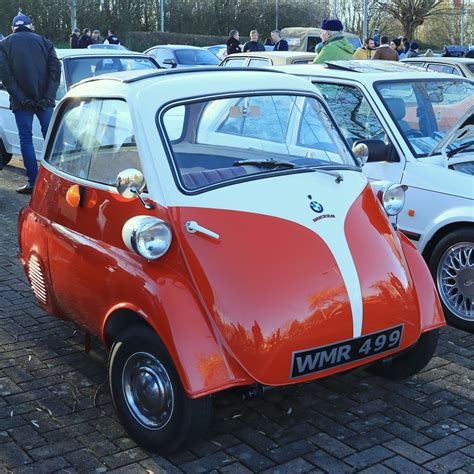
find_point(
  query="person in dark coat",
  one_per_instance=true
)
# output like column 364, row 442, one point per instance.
column 74, row 38
column 233, row 42
column 279, row 43
column 86, row 38
column 96, row 38
column 112, row 38
column 30, row 72
column 414, row 50
column 253, row 45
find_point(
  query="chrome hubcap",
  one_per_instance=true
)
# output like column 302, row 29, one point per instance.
column 148, row 390
column 455, row 278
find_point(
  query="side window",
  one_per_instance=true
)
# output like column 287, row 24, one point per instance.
column 161, row 54
column 353, row 113
column 237, row 62
column 95, row 141
column 443, row 68
column 259, row 62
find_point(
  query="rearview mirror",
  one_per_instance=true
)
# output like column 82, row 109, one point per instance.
column 378, row 151
column 130, row 183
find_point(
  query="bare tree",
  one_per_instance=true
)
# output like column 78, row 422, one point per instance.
column 411, row 13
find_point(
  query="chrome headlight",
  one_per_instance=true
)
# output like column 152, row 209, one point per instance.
column 148, row 236
column 391, row 195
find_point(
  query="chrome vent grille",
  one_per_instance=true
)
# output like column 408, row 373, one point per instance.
column 36, row 277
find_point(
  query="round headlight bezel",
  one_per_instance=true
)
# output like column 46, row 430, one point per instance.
column 138, row 232
column 390, row 193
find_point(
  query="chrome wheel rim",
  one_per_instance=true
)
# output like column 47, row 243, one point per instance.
column 455, row 278
column 147, row 390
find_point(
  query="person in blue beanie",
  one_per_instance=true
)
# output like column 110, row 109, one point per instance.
column 336, row 46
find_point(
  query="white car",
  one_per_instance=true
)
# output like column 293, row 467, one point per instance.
column 419, row 127
column 77, row 64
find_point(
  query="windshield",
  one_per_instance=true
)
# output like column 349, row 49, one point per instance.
column 84, row 67
column 425, row 110
column 196, row 57
column 224, row 139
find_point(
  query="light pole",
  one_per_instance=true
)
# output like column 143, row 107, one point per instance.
column 162, row 16
column 366, row 19
column 276, row 14
column 463, row 11
column 73, row 14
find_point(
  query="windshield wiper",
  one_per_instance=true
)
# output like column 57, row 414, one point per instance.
column 267, row 163
column 287, row 164
column 459, row 149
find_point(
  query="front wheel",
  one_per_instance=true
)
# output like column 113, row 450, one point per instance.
column 148, row 395
column 452, row 267
column 409, row 362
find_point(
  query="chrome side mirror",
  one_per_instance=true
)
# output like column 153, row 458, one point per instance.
column 130, row 183
column 361, row 152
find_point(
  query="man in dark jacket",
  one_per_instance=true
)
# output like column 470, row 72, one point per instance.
column 112, row 38
column 30, row 72
column 233, row 43
column 279, row 44
column 253, row 45
column 74, row 38
column 86, row 39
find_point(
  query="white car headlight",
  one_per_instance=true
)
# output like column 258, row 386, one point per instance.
column 147, row 236
column 391, row 195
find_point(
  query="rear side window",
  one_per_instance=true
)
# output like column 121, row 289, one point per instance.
column 443, row 68
column 95, row 140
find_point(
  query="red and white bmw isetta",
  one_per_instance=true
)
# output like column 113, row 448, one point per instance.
column 213, row 230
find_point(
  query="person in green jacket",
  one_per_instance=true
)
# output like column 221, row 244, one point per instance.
column 335, row 46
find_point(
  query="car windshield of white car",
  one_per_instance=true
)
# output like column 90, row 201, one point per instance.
column 220, row 140
column 425, row 110
column 77, row 69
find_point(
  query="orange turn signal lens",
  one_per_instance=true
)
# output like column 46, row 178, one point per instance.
column 74, row 196
column 411, row 212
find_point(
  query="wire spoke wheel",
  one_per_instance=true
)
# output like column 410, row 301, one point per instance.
column 455, row 279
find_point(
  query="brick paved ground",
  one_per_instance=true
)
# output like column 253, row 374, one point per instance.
column 56, row 412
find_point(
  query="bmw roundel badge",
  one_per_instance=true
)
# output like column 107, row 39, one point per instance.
column 315, row 206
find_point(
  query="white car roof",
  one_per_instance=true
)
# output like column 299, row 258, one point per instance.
column 155, row 88
column 66, row 53
column 364, row 71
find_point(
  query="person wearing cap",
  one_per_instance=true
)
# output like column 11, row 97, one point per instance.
column 336, row 46
column 30, row 72
column 74, row 38
column 414, row 50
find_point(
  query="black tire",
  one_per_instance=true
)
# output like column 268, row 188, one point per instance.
column 409, row 362
column 4, row 156
column 137, row 360
column 458, row 243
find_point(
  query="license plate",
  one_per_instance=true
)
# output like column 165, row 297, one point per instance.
column 317, row 359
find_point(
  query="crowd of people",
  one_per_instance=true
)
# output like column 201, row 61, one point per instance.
column 275, row 42
column 88, row 37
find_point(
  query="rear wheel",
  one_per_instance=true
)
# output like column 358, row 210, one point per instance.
column 452, row 267
column 148, row 395
column 5, row 157
column 409, row 362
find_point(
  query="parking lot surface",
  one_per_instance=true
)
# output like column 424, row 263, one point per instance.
column 56, row 413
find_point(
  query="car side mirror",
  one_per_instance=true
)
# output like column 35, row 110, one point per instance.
column 378, row 151
column 130, row 183
column 170, row 62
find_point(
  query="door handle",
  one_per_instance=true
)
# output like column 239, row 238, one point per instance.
column 192, row 227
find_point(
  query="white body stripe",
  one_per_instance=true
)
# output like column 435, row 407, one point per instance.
column 286, row 197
